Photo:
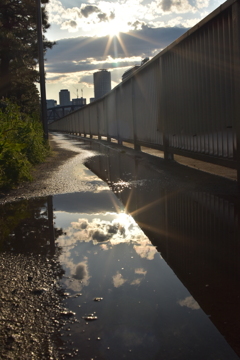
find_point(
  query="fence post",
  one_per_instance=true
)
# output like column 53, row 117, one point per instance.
column 236, row 77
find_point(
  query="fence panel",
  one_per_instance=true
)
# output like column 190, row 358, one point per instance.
column 146, row 104
column 124, row 111
column 102, row 122
column 199, row 87
column 93, row 117
column 111, row 114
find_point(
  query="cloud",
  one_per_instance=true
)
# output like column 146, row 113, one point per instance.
column 70, row 25
column 118, row 280
column 140, row 271
column 137, row 25
column 145, row 250
column 103, row 17
column 177, row 6
column 85, row 53
column 81, row 271
column 121, row 229
column 189, row 302
column 89, row 9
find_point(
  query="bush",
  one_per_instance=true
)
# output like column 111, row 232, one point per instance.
column 21, row 145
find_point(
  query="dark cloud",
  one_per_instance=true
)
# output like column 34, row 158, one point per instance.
column 103, row 17
column 137, row 24
column 81, row 271
column 167, row 4
column 70, row 67
column 70, row 23
column 142, row 43
column 88, row 10
column 56, row 78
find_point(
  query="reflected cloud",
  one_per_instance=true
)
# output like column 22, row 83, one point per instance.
column 81, row 271
column 189, row 302
column 121, row 229
column 136, row 281
column 140, row 271
column 118, row 280
column 145, row 250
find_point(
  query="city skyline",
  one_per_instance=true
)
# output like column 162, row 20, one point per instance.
column 111, row 35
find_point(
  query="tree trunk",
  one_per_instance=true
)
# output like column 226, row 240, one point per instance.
column 5, row 76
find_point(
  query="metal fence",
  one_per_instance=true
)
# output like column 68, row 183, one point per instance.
column 184, row 101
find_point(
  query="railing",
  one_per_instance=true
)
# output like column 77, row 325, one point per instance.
column 184, row 101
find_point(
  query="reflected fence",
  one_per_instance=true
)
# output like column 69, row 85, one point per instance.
column 196, row 232
column 184, row 101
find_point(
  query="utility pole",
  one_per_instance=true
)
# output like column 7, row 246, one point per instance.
column 41, row 69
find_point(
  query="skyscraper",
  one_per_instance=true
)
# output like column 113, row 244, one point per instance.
column 102, row 83
column 64, row 97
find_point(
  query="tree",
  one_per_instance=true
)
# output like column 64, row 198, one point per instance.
column 19, row 51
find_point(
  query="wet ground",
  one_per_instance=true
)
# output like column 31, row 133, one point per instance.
column 120, row 258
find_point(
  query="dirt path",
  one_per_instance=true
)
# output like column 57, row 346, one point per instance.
column 41, row 173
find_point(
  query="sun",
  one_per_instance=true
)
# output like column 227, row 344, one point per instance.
column 114, row 28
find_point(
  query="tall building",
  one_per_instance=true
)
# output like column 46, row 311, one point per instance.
column 102, row 83
column 64, row 97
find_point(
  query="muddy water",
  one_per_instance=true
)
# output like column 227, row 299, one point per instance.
column 138, row 272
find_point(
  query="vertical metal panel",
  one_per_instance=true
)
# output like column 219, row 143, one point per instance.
column 101, row 119
column 93, row 119
column 197, row 70
column 86, row 120
column 111, row 114
column 124, row 111
column 145, row 103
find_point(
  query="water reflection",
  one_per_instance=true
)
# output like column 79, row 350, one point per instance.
column 197, row 234
column 145, row 312
column 30, row 298
column 120, row 299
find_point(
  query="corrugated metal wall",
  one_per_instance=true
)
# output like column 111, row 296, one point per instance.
column 184, row 100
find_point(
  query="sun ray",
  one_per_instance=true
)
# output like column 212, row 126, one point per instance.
column 107, row 46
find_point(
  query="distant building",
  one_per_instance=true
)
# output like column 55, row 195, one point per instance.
column 79, row 101
column 51, row 103
column 92, row 100
column 102, row 83
column 64, row 97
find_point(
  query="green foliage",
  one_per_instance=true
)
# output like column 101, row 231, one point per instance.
column 19, row 51
column 21, row 145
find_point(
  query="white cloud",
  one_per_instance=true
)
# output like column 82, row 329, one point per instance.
column 118, row 280
column 189, row 302
column 140, row 271
column 136, row 281
column 145, row 250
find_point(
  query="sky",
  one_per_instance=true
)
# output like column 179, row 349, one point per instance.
column 113, row 35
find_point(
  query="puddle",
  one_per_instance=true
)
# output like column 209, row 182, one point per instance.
column 82, row 280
